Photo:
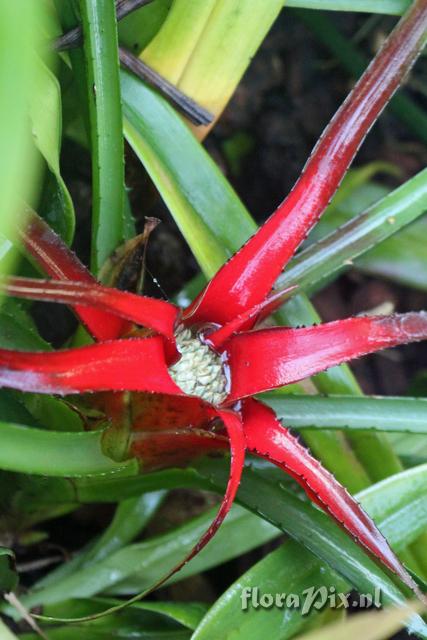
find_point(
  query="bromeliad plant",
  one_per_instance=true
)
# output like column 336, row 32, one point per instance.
column 175, row 384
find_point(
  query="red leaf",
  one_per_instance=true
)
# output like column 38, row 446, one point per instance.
column 148, row 312
column 236, row 436
column 121, row 365
column 270, row 358
column 266, row 437
column 246, row 320
column 168, row 431
column 249, row 275
column 57, row 261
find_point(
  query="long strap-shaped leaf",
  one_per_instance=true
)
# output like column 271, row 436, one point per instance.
column 58, row 261
column 120, row 365
column 270, row 358
column 104, row 105
column 249, row 275
column 266, row 437
column 218, row 338
column 148, row 312
column 234, row 428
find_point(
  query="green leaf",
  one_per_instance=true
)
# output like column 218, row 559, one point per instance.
column 203, row 203
column 392, row 498
column 137, row 622
column 130, row 518
column 291, row 569
column 17, row 55
column 50, row 412
column 103, row 96
column 392, row 7
column 186, row 614
column 29, row 450
column 204, row 48
column 359, row 234
column 140, row 27
column 358, row 187
column 350, row 412
column 12, row 409
column 46, row 126
column 400, row 501
column 8, row 575
column 17, row 329
column 412, row 448
column 144, row 621
column 5, row 633
column 137, row 566
column 25, row 500
column 288, row 570
column 364, row 196
column 398, row 504
column 112, row 631
column 400, row 257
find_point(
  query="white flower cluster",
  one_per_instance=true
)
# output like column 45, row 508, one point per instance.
column 199, row 371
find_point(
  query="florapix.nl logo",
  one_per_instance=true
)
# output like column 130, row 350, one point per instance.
column 312, row 598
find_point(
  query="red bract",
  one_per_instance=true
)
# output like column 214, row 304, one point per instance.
column 248, row 276
column 191, row 375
